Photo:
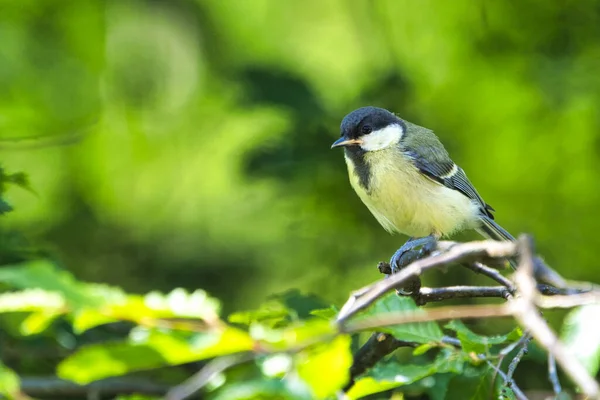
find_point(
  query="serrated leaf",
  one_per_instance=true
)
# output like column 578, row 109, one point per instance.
column 334, row 357
column 581, row 335
column 390, row 375
column 156, row 349
column 422, row 332
column 472, row 342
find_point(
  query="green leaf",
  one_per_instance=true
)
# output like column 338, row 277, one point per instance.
column 391, row 374
column 109, row 359
column 117, row 305
column 475, row 383
column 325, row 313
column 422, row 349
column 300, row 303
column 326, row 367
column 472, row 342
column 9, row 382
column 31, row 300
column 422, row 332
column 38, row 322
column 149, row 349
column 581, row 335
column 44, row 275
column 271, row 313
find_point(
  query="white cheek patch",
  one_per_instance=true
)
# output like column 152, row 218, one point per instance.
column 382, row 138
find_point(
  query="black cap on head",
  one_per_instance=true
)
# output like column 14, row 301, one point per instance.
column 374, row 117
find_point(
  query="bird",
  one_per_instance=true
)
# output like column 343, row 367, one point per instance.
column 406, row 178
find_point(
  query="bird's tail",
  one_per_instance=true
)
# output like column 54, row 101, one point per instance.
column 491, row 230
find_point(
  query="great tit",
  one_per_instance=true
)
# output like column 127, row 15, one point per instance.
column 404, row 175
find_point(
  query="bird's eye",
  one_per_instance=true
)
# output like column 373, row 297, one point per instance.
column 366, row 129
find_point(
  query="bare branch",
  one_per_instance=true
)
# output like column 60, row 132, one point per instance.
column 53, row 386
column 202, row 377
column 508, row 381
column 378, row 346
column 527, row 314
column 435, row 314
column 427, row 295
column 457, row 253
column 553, row 375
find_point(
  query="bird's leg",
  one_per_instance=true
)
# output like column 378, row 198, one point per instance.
column 407, row 254
column 404, row 255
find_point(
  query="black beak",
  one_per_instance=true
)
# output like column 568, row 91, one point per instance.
column 343, row 141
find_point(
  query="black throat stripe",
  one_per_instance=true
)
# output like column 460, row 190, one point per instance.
column 361, row 168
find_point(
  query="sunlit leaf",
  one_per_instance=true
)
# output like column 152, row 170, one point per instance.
column 38, row 322
column 581, row 334
column 9, row 382
column 99, row 361
column 422, row 349
column 151, row 350
column 325, row 368
column 89, row 318
column 422, row 332
column 31, row 300
column 472, row 342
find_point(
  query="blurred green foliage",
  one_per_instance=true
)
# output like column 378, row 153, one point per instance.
column 186, row 143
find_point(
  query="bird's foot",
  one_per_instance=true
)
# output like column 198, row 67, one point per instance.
column 412, row 250
column 409, row 252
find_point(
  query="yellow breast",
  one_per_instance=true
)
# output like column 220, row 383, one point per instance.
column 405, row 201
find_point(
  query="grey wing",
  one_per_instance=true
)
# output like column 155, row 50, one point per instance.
column 443, row 170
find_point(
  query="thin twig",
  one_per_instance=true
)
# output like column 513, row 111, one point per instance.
column 508, row 382
column 524, row 343
column 553, row 375
column 378, row 346
column 458, row 253
column 427, row 294
column 527, row 314
column 53, row 386
column 491, row 273
column 202, row 377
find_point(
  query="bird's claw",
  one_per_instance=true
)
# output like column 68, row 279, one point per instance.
column 408, row 253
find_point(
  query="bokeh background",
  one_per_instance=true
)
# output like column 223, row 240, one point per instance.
column 186, row 143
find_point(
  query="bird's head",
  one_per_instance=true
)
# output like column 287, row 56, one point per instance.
column 370, row 129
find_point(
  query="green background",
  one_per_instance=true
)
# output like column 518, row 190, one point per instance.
column 181, row 143
column 186, row 143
